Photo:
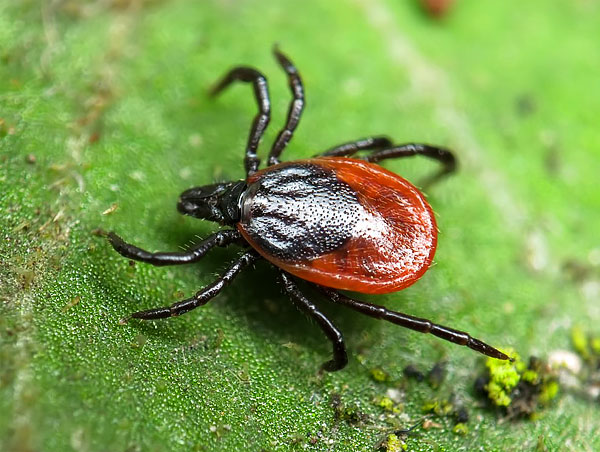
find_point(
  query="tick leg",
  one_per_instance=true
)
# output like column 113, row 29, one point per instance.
column 202, row 297
column 414, row 323
column 442, row 155
column 220, row 238
column 340, row 358
column 262, row 118
column 295, row 110
column 351, row 148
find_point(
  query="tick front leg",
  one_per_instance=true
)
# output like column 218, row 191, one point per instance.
column 202, row 297
column 414, row 323
column 340, row 358
column 220, row 238
column 262, row 118
column 352, row 147
column 295, row 110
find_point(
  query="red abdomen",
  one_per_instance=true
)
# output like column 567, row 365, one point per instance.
column 340, row 222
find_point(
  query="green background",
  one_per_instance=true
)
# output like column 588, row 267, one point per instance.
column 109, row 97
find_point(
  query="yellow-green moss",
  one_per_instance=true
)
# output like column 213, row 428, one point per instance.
column 504, row 377
column 461, row 429
column 379, row 375
column 580, row 342
column 393, row 444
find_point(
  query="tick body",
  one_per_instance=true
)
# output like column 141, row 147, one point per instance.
column 341, row 223
column 337, row 221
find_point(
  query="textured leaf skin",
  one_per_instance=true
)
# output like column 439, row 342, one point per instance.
column 109, row 100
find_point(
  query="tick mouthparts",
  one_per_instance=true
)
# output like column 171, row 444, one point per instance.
column 187, row 204
column 181, row 207
column 124, row 320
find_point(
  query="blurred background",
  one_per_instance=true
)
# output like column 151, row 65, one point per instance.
column 104, row 120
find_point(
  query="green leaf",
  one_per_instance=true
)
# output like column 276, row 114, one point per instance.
column 104, row 120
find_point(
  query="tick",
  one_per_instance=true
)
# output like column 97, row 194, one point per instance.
column 338, row 221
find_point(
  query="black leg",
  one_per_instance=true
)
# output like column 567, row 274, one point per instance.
column 444, row 156
column 340, row 358
column 351, row 148
column 261, row 120
column 202, row 297
column 414, row 323
column 295, row 110
column 220, row 238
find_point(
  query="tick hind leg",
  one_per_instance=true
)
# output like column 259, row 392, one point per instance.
column 220, row 238
column 202, row 297
column 352, row 147
column 340, row 358
column 384, row 149
column 295, row 110
column 442, row 155
column 414, row 323
column 262, row 118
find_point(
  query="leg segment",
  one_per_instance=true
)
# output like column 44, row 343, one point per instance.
column 220, row 238
column 351, row 148
column 295, row 110
column 444, row 156
column 340, row 358
column 261, row 120
column 386, row 150
column 414, row 323
column 202, row 297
